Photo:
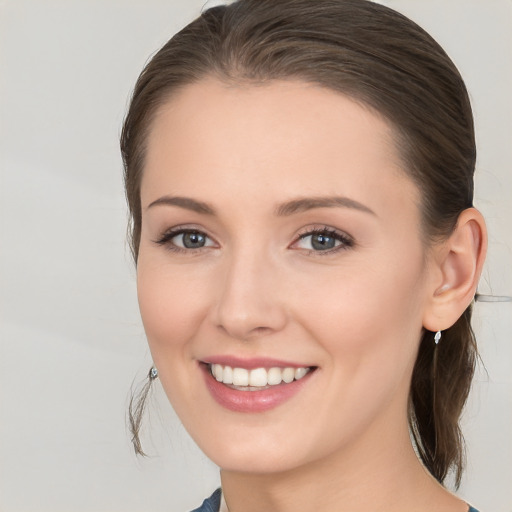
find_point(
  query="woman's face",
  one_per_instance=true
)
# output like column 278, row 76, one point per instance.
column 280, row 240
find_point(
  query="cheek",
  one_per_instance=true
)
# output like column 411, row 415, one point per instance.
column 370, row 321
column 169, row 308
column 171, row 312
column 369, row 328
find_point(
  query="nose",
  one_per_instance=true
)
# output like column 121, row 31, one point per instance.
column 250, row 303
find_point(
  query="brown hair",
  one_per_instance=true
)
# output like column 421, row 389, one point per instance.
column 385, row 61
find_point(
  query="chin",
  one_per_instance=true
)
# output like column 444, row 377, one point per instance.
column 260, row 452
column 263, row 463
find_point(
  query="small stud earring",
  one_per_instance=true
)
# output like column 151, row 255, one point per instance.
column 437, row 337
column 153, row 373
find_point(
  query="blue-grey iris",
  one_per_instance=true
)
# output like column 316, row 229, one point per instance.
column 193, row 240
column 322, row 242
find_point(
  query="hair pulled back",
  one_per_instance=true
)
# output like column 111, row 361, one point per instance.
column 386, row 62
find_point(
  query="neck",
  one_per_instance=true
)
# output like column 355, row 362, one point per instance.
column 365, row 477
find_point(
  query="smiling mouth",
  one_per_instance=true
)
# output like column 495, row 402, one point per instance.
column 257, row 379
column 257, row 386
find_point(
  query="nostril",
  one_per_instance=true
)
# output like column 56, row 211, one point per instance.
column 245, row 334
column 261, row 330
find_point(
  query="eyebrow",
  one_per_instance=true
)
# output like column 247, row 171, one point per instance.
column 309, row 203
column 184, row 202
column 283, row 210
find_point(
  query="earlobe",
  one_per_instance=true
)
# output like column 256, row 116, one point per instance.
column 458, row 261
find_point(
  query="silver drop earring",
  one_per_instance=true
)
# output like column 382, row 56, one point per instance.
column 153, row 373
column 437, row 337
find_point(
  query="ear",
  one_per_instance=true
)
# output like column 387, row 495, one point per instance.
column 457, row 265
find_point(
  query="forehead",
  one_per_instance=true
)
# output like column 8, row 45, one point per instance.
column 269, row 140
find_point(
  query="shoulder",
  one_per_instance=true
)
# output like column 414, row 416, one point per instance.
column 471, row 509
column 212, row 504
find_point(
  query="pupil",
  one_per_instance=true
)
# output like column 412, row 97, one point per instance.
column 322, row 242
column 193, row 240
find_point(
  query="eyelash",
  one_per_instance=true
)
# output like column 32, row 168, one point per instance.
column 346, row 241
column 165, row 239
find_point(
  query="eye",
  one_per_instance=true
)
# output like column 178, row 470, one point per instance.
column 180, row 239
column 323, row 240
column 190, row 240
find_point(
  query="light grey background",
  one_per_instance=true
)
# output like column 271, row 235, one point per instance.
column 71, row 337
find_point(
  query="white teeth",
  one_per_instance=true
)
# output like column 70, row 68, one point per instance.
column 288, row 375
column 300, row 372
column 258, row 377
column 217, row 372
column 240, row 377
column 275, row 376
column 227, row 377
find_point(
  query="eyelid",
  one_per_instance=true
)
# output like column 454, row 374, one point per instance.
column 165, row 238
column 347, row 241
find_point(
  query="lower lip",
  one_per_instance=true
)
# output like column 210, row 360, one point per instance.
column 252, row 401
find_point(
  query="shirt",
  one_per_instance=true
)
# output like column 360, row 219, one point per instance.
column 212, row 504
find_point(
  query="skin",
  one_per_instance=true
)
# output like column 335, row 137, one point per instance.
column 258, row 289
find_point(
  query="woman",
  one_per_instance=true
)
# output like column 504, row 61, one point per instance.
column 300, row 181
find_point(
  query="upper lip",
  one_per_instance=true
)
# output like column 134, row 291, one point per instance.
column 253, row 362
